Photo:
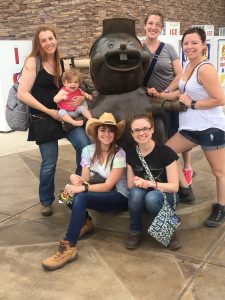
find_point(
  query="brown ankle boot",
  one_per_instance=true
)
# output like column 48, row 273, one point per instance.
column 175, row 243
column 65, row 254
column 87, row 228
column 46, row 211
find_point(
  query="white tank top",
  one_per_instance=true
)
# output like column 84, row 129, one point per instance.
column 199, row 119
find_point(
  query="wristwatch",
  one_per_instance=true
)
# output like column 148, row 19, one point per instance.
column 86, row 186
column 193, row 104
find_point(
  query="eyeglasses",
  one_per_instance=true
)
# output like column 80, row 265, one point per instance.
column 139, row 130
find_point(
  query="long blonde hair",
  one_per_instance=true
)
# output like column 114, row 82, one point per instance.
column 37, row 51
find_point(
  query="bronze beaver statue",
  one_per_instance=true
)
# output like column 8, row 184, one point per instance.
column 118, row 65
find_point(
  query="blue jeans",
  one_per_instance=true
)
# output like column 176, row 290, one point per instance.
column 112, row 201
column 79, row 140
column 141, row 199
column 49, row 155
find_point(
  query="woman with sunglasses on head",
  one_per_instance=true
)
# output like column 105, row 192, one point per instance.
column 145, row 194
column 204, row 122
column 101, row 160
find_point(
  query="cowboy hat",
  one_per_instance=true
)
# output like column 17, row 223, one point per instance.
column 104, row 119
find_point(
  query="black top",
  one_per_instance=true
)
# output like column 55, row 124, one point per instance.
column 157, row 161
column 44, row 90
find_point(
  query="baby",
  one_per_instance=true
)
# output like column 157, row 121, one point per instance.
column 71, row 80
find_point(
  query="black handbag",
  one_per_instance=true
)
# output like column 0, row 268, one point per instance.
column 166, row 222
column 46, row 129
column 95, row 178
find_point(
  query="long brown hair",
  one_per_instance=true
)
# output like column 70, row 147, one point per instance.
column 37, row 51
column 112, row 149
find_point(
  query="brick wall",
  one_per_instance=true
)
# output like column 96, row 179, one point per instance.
column 79, row 22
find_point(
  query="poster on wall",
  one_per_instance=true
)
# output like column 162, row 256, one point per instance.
column 221, row 61
column 12, row 56
column 171, row 28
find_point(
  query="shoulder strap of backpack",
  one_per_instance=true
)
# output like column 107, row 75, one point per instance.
column 62, row 65
column 38, row 64
column 38, row 68
column 152, row 65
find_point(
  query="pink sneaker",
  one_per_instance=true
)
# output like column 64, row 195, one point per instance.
column 188, row 175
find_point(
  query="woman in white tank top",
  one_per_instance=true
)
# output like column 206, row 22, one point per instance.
column 203, row 123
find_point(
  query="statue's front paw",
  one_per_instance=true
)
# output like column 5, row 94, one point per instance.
column 183, row 107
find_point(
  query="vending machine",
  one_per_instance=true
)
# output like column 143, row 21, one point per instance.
column 12, row 56
column 221, row 60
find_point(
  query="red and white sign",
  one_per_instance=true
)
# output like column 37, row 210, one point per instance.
column 12, row 56
column 209, row 29
column 171, row 28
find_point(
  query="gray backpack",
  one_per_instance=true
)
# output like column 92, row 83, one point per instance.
column 18, row 113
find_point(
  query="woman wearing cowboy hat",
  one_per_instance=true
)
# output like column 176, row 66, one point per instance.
column 108, row 161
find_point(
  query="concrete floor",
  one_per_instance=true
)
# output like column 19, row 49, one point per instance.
column 105, row 270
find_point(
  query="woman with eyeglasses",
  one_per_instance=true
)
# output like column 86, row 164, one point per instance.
column 145, row 194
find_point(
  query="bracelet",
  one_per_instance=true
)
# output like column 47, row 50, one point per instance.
column 156, row 185
column 86, row 186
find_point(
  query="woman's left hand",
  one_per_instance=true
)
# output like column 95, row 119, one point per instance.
column 185, row 99
column 71, row 189
column 141, row 183
column 77, row 101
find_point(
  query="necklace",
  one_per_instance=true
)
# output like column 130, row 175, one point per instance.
column 51, row 64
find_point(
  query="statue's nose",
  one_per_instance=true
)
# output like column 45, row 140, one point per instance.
column 123, row 46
